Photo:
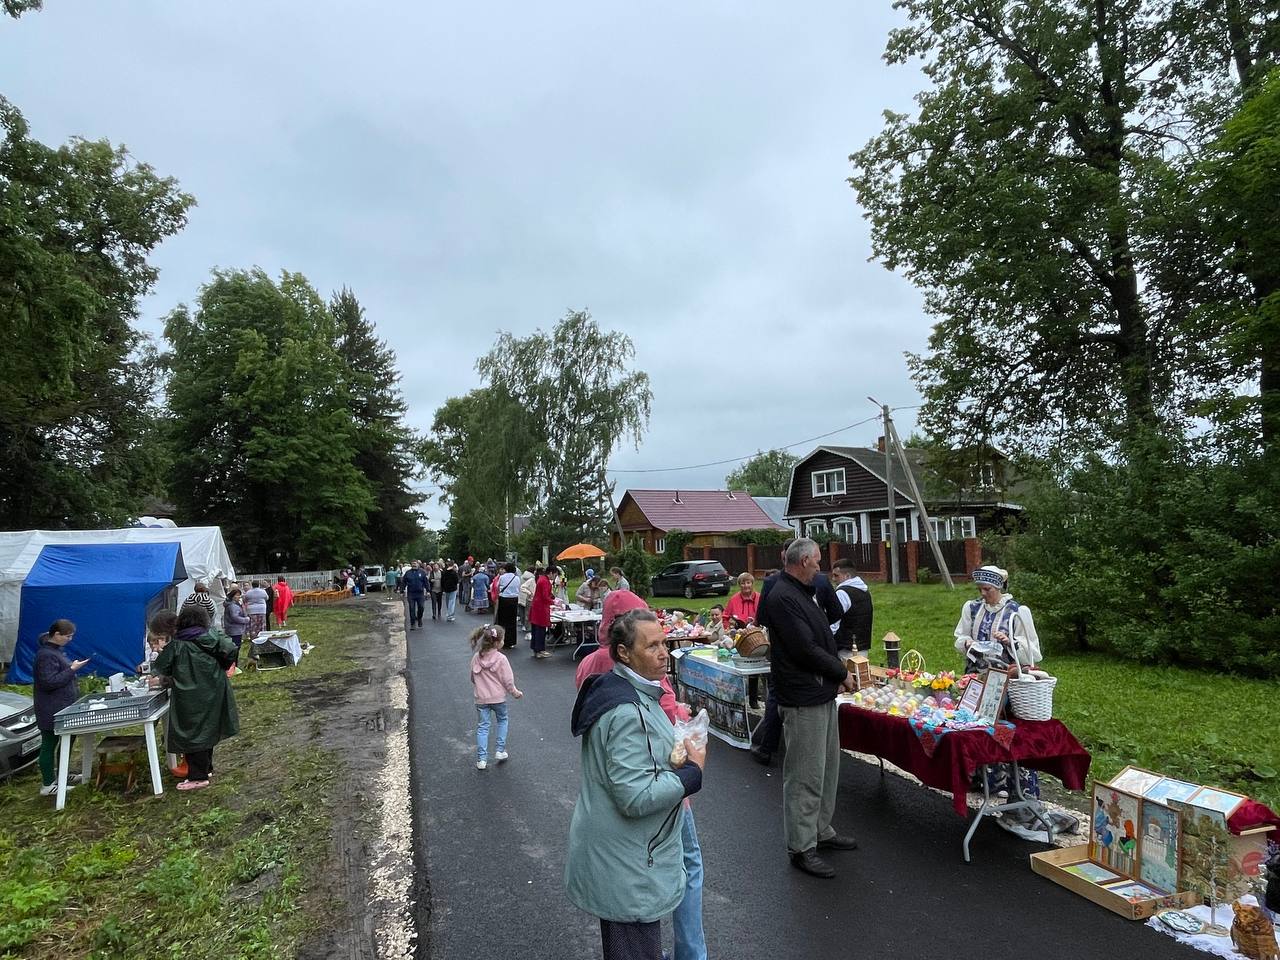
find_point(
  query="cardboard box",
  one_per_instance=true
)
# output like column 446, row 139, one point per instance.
column 1053, row 864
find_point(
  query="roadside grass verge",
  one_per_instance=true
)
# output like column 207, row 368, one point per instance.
column 231, row 871
column 1195, row 725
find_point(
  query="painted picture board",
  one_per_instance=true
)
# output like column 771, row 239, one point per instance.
column 1113, row 829
column 972, row 694
column 992, row 699
column 1093, row 873
column 1160, row 846
column 1136, row 780
column 1169, row 789
column 1133, row 892
column 1212, row 798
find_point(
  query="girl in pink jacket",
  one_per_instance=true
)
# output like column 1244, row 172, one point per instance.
column 492, row 680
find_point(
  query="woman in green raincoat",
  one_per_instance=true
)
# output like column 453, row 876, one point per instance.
column 202, row 709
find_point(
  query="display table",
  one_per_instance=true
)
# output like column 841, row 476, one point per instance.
column 98, row 713
column 1045, row 745
column 721, row 688
column 576, row 625
column 285, row 642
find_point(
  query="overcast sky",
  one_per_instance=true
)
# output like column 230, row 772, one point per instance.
column 678, row 169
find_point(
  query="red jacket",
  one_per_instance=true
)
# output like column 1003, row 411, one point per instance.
column 540, row 605
column 744, row 608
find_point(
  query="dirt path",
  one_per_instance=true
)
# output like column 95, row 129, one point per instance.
column 362, row 718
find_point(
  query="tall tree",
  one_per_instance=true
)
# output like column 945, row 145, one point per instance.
column 1038, row 198
column 77, row 224
column 16, row 8
column 767, row 474
column 577, row 400
column 262, row 436
column 384, row 445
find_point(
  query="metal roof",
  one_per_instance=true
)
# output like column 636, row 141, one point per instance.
column 701, row 511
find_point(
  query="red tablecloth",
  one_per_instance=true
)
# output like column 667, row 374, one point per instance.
column 1041, row 745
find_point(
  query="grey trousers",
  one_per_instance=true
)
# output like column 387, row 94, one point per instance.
column 810, row 774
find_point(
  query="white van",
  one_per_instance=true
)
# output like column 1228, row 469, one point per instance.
column 377, row 579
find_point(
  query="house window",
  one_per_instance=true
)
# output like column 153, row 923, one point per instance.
column 660, row 545
column 846, row 529
column 828, row 482
column 815, row 527
column 902, row 530
column 968, row 526
column 941, row 528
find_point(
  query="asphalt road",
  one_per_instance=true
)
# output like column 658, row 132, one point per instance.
column 491, row 848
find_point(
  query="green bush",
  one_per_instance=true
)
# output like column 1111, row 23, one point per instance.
column 1174, row 562
column 676, row 541
column 638, row 566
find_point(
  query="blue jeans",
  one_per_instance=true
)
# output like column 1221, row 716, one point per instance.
column 417, row 606
column 691, row 942
column 450, row 603
column 483, row 710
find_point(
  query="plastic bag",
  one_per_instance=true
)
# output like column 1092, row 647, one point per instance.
column 695, row 730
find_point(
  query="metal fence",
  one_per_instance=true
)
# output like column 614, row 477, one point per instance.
column 296, row 579
column 734, row 559
column 866, row 556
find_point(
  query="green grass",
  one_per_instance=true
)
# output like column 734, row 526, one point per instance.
column 227, row 872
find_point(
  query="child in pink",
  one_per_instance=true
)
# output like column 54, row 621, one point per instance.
column 492, row 680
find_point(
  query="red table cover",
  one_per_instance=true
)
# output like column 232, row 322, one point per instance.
column 1045, row 745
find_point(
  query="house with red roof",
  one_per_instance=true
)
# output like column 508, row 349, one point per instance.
column 710, row 515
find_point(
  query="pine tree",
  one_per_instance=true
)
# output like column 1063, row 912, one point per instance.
column 384, row 445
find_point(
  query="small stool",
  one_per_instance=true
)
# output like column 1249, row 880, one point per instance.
column 132, row 748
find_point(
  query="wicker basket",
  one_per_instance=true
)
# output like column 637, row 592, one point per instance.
column 1030, row 698
column 752, row 642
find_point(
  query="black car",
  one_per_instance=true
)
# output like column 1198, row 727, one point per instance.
column 691, row 578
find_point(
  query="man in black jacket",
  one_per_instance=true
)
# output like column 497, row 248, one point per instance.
column 768, row 733
column 805, row 677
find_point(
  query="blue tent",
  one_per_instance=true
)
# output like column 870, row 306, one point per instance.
column 108, row 590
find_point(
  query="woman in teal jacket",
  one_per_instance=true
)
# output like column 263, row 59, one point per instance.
column 625, row 861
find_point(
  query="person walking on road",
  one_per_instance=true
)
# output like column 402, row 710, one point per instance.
column 449, row 584
column 625, row 863
column 437, row 591
column 491, row 681
column 416, row 585
column 508, row 591
column 480, row 591
column 807, row 674
column 540, row 612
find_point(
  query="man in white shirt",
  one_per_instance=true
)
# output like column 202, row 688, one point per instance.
column 853, row 629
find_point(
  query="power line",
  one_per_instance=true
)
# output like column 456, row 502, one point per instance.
column 718, row 463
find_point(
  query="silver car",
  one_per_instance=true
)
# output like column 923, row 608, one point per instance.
column 19, row 737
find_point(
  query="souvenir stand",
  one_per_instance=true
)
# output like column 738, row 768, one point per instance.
column 720, row 685
column 943, row 730
column 574, row 625
column 100, row 712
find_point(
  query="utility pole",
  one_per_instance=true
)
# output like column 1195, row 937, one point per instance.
column 926, row 527
column 888, row 480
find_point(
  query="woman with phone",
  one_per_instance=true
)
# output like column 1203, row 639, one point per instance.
column 55, row 687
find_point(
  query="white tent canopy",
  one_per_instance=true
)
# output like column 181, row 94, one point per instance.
column 203, row 553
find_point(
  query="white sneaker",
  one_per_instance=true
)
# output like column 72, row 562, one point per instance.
column 481, row 765
column 52, row 789
column 500, row 756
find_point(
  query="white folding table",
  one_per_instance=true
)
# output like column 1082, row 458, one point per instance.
column 102, row 712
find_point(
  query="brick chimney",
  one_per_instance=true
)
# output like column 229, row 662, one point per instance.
column 880, row 444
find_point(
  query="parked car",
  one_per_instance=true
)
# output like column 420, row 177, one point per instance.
column 377, row 578
column 19, row 738
column 691, row 578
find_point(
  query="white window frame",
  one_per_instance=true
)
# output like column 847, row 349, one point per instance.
column 814, row 526
column 904, row 529
column 830, row 489
column 968, row 527
column 850, row 534
column 660, row 545
column 941, row 527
